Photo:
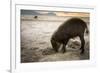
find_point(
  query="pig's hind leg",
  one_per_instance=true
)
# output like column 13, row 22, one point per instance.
column 82, row 43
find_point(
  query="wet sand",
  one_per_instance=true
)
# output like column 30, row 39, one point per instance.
column 36, row 46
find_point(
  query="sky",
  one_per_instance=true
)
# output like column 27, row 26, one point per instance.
column 53, row 13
